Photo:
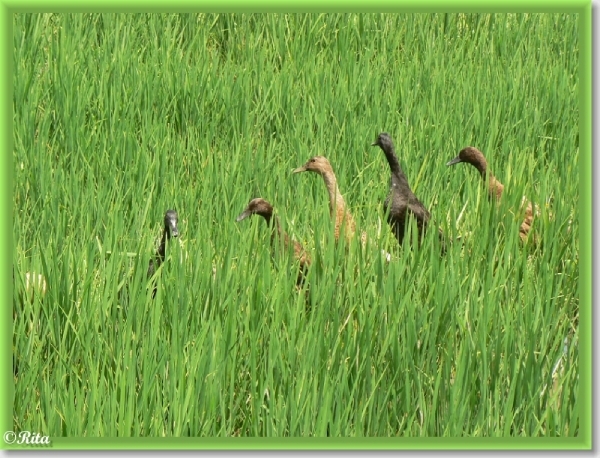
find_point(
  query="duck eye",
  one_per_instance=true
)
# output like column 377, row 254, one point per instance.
column 312, row 160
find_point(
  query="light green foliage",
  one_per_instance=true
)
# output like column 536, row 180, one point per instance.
column 120, row 117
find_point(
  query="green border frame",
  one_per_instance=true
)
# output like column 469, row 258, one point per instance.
column 583, row 8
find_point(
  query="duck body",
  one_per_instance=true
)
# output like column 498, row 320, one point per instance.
column 473, row 156
column 338, row 210
column 400, row 203
column 263, row 208
column 495, row 188
column 170, row 230
column 527, row 224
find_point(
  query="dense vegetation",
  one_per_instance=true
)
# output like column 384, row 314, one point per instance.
column 119, row 117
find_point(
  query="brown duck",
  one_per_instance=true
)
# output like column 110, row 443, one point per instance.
column 473, row 156
column 263, row 208
column 401, row 202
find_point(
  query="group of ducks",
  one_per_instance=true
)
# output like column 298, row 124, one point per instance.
column 400, row 206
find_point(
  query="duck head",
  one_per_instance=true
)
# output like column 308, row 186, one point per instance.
column 383, row 141
column 472, row 156
column 171, row 223
column 256, row 206
column 317, row 164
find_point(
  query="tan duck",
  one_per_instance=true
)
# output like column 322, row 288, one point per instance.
column 337, row 205
column 473, row 156
column 263, row 208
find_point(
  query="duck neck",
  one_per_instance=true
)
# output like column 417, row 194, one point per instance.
column 277, row 233
column 335, row 197
column 163, row 243
column 268, row 218
column 495, row 188
column 394, row 164
column 481, row 168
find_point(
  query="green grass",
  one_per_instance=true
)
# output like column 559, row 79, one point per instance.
column 119, row 117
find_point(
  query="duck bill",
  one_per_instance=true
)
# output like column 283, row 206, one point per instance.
column 456, row 160
column 245, row 214
column 375, row 144
column 300, row 169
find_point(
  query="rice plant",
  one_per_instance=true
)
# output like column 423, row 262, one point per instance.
column 119, row 117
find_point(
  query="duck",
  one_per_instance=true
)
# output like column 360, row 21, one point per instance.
column 473, row 156
column 170, row 230
column 337, row 205
column 401, row 202
column 261, row 207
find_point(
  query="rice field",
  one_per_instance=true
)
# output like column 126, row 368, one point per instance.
column 120, row 117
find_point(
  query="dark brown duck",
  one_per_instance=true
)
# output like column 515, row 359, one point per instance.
column 263, row 208
column 473, row 156
column 401, row 202
column 170, row 230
